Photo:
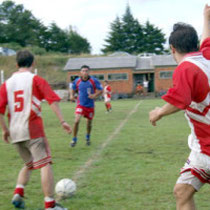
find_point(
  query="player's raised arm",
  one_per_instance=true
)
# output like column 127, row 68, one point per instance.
column 206, row 23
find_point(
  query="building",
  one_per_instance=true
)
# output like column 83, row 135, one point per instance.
column 124, row 72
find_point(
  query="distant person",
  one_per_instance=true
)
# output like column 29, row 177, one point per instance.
column 23, row 93
column 145, row 85
column 88, row 88
column 139, row 89
column 190, row 92
column 107, row 96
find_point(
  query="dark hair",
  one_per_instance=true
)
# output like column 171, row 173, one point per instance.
column 85, row 67
column 106, row 81
column 24, row 58
column 184, row 38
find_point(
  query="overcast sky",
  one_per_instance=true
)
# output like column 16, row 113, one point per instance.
column 92, row 18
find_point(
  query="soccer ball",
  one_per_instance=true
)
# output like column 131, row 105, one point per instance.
column 65, row 188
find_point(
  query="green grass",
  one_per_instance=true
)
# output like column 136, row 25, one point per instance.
column 136, row 170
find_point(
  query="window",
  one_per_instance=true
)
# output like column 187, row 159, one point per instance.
column 166, row 74
column 73, row 77
column 98, row 76
column 123, row 76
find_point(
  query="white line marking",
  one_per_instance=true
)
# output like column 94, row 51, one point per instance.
column 95, row 157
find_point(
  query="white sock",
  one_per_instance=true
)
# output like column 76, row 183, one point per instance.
column 48, row 199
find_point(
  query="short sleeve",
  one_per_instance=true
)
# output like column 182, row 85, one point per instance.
column 43, row 90
column 98, row 84
column 186, row 79
column 3, row 98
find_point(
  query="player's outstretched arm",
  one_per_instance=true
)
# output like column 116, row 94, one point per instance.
column 159, row 112
column 5, row 130
column 55, row 107
column 206, row 23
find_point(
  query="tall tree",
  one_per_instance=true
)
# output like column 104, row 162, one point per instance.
column 78, row 44
column 128, row 35
column 154, row 39
column 116, row 38
column 132, row 31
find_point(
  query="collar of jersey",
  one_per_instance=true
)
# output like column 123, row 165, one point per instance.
column 85, row 80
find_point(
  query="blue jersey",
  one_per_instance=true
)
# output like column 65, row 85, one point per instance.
column 84, row 88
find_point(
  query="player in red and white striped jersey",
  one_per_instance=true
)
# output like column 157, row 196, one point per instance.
column 22, row 93
column 107, row 96
column 190, row 92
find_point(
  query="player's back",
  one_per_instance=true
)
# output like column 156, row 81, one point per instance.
column 19, row 94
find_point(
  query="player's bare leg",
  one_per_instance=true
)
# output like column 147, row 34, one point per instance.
column 24, row 176
column 47, row 181
column 22, row 180
column 184, row 196
column 89, row 127
column 75, row 129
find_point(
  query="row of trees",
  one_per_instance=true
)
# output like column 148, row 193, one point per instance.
column 18, row 25
column 128, row 35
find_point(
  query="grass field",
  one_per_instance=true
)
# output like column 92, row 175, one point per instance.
column 134, row 165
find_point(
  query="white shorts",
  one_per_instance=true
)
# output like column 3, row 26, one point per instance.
column 196, row 170
column 107, row 99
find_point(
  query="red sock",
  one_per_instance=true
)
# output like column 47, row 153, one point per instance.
column 20, row 191
column 107, row 106
column 49, row 204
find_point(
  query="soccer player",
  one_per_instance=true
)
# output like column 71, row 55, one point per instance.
column 190, row 92
column 22, row 93
column 88, row 89
column 107, row 96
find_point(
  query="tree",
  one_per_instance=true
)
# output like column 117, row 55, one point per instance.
column 154, row 39
column 128, row 35
column 78, row 44
column 116, row 37
column 57, row 39
column 132, row 31
column 17, row 24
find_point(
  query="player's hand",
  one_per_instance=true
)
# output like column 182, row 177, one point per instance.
column 6, row 135
column 206, row 12
column 72, row 98
column 67, row 127
column 155, row 115
column 92, row 96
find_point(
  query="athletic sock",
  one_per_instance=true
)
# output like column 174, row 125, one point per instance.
column 49, row 202
column 19, row 190
column 74, row 139
column 87, row 137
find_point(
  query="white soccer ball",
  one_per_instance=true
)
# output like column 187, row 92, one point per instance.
column 65, row 188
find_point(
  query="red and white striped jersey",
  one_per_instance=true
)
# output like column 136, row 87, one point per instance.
column 23, row 93
column 191, row 92
column 107, row 91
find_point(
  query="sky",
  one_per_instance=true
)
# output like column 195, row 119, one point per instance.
column 92, row 18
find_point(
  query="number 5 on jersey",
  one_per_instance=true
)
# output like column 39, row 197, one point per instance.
column 19, row 100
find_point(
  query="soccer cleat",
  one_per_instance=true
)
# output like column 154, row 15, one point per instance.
column 57, row 207
column 73, row 143
column 88, row 142
column 18, row 201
